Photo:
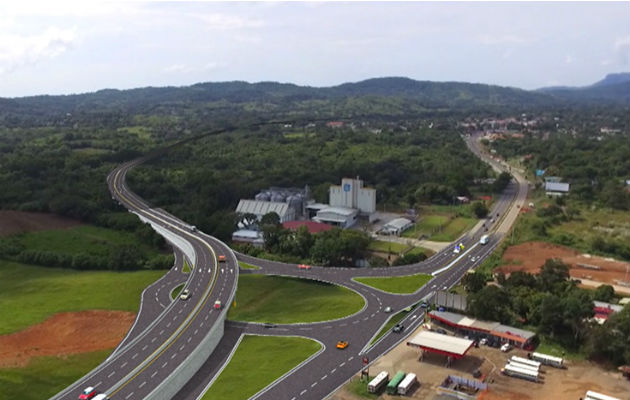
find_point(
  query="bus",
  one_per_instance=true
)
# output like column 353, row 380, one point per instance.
column 392, row 386
column 406, row 384
column 378, row 382
column 548, row 360
column 484, row 239
column 525, row 361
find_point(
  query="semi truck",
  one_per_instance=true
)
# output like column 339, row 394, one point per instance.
column 590, row 395
column 392, row 386
column 378, row 382
column 525, row 361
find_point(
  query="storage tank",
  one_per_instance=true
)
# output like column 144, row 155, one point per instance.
column 263, row 196
column 295, row 202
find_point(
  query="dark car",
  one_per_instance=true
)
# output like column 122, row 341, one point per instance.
column 398, row 328
column 268, row 325
column 442, row 331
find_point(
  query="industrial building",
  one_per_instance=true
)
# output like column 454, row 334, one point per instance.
column 259, row 208
column 396, row 226
column 352, row 194
column 556, row 188
column 493, row 331
column 445, row 345
column 338, row 216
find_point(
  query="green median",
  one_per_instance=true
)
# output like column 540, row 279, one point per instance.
column 257, row 362
column 283, row 300
column 396, row 284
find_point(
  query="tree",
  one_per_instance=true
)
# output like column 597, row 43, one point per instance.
column 490, row 303
column 271, row 218
column 474, row 282
column 501, row 182
column 604, row 293
column 480, row 209
column 552, row 273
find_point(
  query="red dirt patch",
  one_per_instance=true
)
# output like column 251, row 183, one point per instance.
column 531, row 256
column 64, row 334
column 12, row 222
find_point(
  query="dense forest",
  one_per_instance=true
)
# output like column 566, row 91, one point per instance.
column 204, row 180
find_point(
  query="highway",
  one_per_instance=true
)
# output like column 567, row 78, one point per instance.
column 166, row 332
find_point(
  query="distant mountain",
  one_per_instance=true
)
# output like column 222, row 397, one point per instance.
column 425, row 93
column 614, row 88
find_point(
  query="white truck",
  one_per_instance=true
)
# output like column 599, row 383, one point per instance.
column 378, row 382
column 484, row 239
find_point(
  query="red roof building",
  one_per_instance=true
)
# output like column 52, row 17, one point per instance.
column 312, row 226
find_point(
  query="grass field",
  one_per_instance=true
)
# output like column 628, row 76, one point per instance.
column 43, row 377
column 258, row 361
column 39, row 292
column 552, row 348
column 454, row 229
column 79, row 239
column 261, row 298
column 186, row 267
column 387, row 247
column 245, row 265
column 175, row 292
column 397, row 284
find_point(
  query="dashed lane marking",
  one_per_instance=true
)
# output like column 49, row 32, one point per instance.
column 342, row 364
column 142, row 384
column 313, row 384
column 124, row 364
column 324, row 377
column 134, row 356
column 302, row 392
column 333, row 370
column 129, row 395
column 164, row 365
column 110, row 375
column 145, row 347
column 153, row 374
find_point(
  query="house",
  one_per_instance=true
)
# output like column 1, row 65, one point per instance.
column 556, row 188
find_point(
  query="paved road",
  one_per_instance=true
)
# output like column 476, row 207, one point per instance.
column 165, row 332
column 325, row 372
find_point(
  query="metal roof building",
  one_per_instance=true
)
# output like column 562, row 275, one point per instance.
column 556, row 187
column 338, row 216
column 441, row 344
column 260, row 208
column 396, row 226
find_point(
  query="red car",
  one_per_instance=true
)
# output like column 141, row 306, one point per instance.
column 88, row 393
column 304, row 266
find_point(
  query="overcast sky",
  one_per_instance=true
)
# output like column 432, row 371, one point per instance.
column 59, row 48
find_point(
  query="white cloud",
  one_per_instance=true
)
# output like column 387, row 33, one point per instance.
column 489, row 39
column 225, row 22
column 19, row 50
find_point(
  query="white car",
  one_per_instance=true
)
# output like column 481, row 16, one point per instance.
column 387, row 309
column 506, row 347
column 101, row 397
column 185, row 295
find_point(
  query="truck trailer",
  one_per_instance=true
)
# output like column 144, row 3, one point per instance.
column 407, row 383
column 378, row 382
column 525, row 361
column 548, row 360
column 392, row 386
column 522, row 373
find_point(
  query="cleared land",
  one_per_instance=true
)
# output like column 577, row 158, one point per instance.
column 43, row 377
column 40, row 292
column 397, row 284
column 283, row 300
column 442, row 223
column 20, row 221
column 258, row 361
column 530, row 256
column 64, row 334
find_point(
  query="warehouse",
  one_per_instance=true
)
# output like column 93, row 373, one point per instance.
column 396, row 226
column 260, row 207
column 338, row 216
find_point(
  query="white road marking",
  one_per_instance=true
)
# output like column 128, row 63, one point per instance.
column 196, row 330
column 333, row 370
column 189, row 339
column 314, row 383
column 181, row 347
column 164, row 365
column 351, row 358
column 142, row 384
column 123, row 364
column 342, row 364
column 153, row 374
column 162, row 331
column 173, row 356
column 324, row 377
column 110, row 375
column 134, row 356
column 153, row 340
column 129, row 395
column 167, row 325
column 97, row 385
column 302, row 392
column 145, row 347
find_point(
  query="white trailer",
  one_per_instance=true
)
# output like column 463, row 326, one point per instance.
column 525, row 361
column 525, row 366
column 548, row 360
column 378, row 382
column 407, row 383
column 590, row 395
column 518, row 372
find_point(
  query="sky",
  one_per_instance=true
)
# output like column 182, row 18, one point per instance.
column 58, row 47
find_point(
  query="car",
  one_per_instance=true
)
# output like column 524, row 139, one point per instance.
column 269, row 325
column 445, row 288
column 413, row 317
column 101, row 397
column 506, row 347
column 342, row 344
column 442, row 331
column 193, row 228
column 483, row 341
column 88, row 393
column 424, row 304
column 185, row 295
column 398, row 328
column 221, row 258
column 217, row 305
column 387, row 309
column 304, row 266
